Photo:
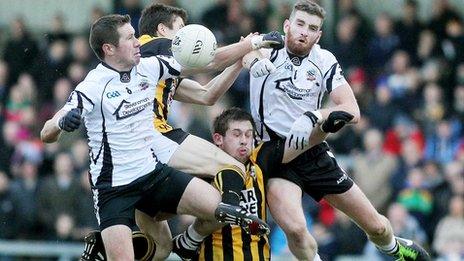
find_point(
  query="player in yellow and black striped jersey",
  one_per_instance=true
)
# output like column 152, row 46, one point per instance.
column 158, row 45
column 233, row 133
column 232, row 242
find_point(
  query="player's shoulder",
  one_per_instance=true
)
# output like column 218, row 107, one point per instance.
column 155, row 46
column 323, row 58
column 96, row 79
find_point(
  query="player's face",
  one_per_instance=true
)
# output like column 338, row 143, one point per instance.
column 176, row 25
column 127, row 54
column 301, row 32
column 238, row 141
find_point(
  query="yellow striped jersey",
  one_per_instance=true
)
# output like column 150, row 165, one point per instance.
column 165, row 90
column 231, row 243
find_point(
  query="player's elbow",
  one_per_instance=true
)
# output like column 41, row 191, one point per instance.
column 356, row 116
column 46, row 137
column 209, row 101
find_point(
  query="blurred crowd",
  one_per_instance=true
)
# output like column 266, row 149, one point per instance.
column 406, row 153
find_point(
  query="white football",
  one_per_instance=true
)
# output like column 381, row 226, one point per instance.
column 194, row 46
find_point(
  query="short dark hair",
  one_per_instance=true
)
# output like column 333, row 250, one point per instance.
column 309, row 7
column 105, row 30
column 156, row 14
column 221, row 123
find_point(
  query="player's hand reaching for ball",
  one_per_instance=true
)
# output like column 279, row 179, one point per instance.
column 270, row 40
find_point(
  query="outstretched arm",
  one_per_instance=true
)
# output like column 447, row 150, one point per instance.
column 228, row 55
column 193, row 92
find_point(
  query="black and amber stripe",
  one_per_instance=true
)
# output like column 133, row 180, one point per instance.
column 165, row 89
column 232, row 243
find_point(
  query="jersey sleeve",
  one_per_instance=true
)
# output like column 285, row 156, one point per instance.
column 161, row 67
column 269, row 156
column 82, row 98
column 332, row 73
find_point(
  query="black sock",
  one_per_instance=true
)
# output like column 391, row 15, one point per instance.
column 229, row 182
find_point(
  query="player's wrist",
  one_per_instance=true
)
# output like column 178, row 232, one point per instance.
column 59, row 122
column 256, row 42
column 314, row 116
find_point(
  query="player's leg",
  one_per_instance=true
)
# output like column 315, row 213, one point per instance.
column 118, row 243
column 159, row 231
column 377, row 227
column 199, row 157
column 284, row 201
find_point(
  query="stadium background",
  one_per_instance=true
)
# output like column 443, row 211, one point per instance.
column 405, row 63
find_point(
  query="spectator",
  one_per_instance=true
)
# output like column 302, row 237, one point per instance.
column 403, row 78
column 409, row 28
column 442, row 12
column 382, row 45
column 428, row 48
column 348, row 49
column 416, row 198
column 58, row 30
column 433, row 109
column 382, row 102
column 59, row 194
column 443, row 144
column 21, row 50
column 449, row 235
column 410, row 157
column 24, row 191
column 372, row 170
column 404, row 225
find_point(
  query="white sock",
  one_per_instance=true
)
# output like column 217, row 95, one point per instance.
column 190, row 239
column 194, row 234
column 317, row 257
column 390, row 247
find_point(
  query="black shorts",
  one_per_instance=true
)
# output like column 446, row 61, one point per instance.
column 176, row 135
column 316, row 172
column 161, row 189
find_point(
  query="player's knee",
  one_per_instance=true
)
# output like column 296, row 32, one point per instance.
column 379, row 227
column 298, row 233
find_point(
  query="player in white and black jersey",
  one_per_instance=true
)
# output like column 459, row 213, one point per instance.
column 116, row 101
column 287, row 87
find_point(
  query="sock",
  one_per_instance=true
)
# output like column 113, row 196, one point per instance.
column 317, row 257
column 190, row 239
column 229, row 182
column 390, row 248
